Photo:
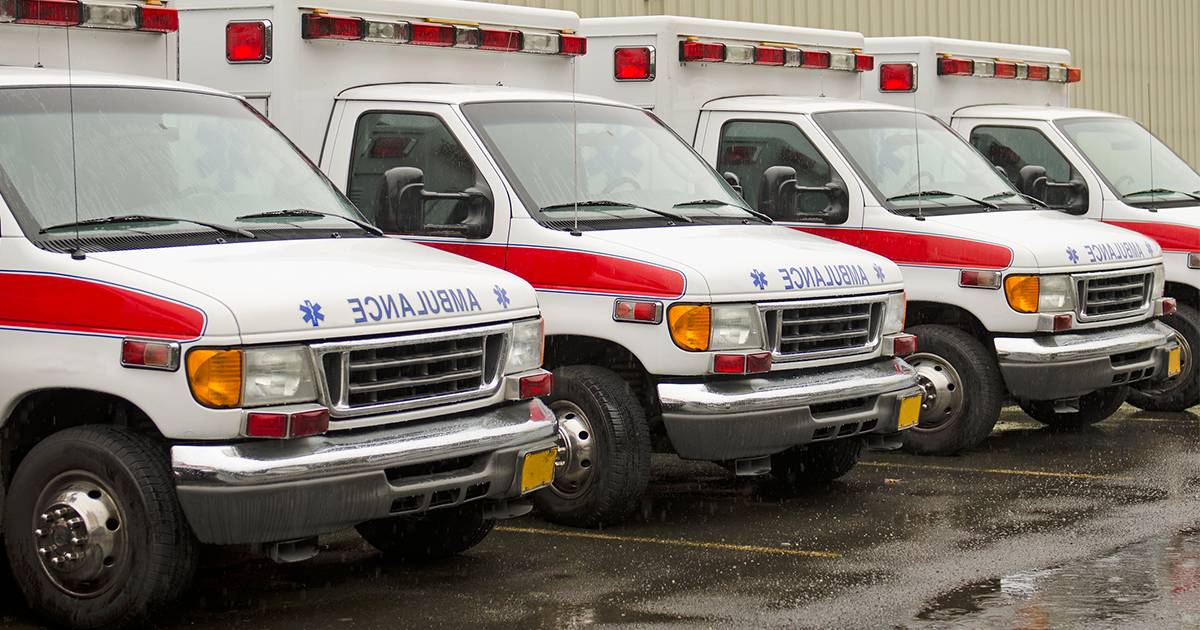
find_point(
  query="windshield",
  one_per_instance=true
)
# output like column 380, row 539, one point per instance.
column 632, row 170
column 1136, row 165
column 913, row 162
column 192, row 158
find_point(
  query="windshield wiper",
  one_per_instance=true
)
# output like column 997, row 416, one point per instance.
column 305, row 212
column 1162, row 191
column 717, row 202
column 1001, row 195
column 942, row 193
column 619, row 204
column 145, row 218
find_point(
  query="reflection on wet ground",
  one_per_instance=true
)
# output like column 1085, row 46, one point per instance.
column 902, row 541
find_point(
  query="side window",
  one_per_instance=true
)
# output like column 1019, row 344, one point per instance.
column 1012, row 148
column 410, row 175
column 765, row 154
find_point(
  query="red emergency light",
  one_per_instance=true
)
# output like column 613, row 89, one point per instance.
column 897, row 77
column 158, row 19
column 320, row 26
column 815, row 58
column 633, row 63
column 248, row 42
column 989, row 69
column 769, row 56
column 955, row 67
column 701, row 51
column 1038, row 72
column 433, row 34
column 574, row 45
column 1006, row 70
column 279, row 425
column 1074, row 75
column 499, row 39
column 49, row 12
column 864, row 63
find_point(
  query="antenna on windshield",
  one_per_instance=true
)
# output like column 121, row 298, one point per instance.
column 574, row 153
column 1150, row 147
column 76, row 251
column 917, row 149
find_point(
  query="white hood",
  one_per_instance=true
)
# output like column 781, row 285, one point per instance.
column 306, row 289
column 759, row 262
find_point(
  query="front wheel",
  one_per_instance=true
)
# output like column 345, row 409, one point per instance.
column 814, row 464
column 1182, row 391
column 430, row 536
column 1094, row 407
column 93, row 530
column 963, row 391
column 603, row 462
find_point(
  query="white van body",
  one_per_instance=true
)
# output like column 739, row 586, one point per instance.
column 326, row 93
column 105, row 327
column 939, row 253
column 1037, row 119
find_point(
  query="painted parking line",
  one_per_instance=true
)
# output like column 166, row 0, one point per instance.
column 1000, row 471
column 674, row 542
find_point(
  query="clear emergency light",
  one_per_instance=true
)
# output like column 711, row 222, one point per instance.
column 902, row 77
column 104, row 15
column 250, row 42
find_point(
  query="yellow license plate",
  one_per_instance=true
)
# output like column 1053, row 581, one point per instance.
column 537, row 471
column 910, row 412
column 1174, row 362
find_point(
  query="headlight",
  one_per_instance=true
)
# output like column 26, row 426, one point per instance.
column 1045, row 294
column 251, row 377
column 1160, row 279
column 699, row 327
column 893, row 314
column 525, row 347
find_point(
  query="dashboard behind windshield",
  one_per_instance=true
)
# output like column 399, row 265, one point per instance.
column 905, row 155
column 1132, row 160
column 151, row 152
column 619, row 154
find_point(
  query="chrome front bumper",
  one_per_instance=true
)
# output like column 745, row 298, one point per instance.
column 267, row 491
column 755, row 416
column 1065, row 365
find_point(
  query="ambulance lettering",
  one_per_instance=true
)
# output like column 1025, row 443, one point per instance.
column 813, row 276
column 377, row 308
column 1118, row 250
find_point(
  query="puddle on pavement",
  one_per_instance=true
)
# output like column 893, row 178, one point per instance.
column 1155, row 583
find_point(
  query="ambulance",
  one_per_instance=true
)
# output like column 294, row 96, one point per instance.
column 1013, row 104
column 1008, row 299
column 668, row 324
column 194, row 340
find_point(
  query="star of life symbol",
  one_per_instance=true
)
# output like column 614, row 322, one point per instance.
column 501, row 296
column 312, row 313
column 879, row 273
column 759, row 278
column 1073, row 255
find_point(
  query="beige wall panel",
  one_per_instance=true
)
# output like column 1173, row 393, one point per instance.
column 1140, row 58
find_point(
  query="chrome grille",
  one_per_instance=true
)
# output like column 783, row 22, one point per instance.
column 412, row 371
column 1111, row 295
column 824, row 328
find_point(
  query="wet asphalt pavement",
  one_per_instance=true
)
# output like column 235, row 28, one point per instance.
column 1036, row 529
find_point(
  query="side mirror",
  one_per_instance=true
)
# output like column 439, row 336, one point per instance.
column 1070, row 197
column 782, row 198
column 733, row 181
column 402, row 200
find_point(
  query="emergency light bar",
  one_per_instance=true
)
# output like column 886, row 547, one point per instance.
column 902, row 77
column 320, row 25
column 105, row 15
column 691, row 49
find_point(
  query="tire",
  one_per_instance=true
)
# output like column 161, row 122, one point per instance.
column 430, row 536
column 1181, row 392
column 604, row 442
column 816, row 464
column 964, row 391
column 1094, row 407
column 121, row 482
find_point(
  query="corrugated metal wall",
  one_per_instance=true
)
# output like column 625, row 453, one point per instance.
column 1140, row 58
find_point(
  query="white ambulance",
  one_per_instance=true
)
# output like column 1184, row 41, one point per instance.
column 202, row 342
column 669, row 323
column 1006, row 298
column 1012, row 103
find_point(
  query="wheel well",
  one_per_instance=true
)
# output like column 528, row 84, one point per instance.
column 581, row 350
column 1184, row 294
column 49, row 411
column 946, row 314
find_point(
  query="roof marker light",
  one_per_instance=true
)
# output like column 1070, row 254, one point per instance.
column 701, row 51
column 114, row 16
column 956, row 67
column 386, row 32
column 633, row 63
column 158, row 19
column 318, row 26
column 574, row 45
column 48, row 12
column 432, row 34
column 248, row 42
column 769, row 56
column 898, row 77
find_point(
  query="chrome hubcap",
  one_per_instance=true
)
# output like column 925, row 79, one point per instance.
column 79, row 534
column 942, row 390
column 575, row 466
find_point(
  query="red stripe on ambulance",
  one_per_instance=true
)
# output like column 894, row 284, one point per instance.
column 59, row 303
column 905, row 248
column 1170, row 236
